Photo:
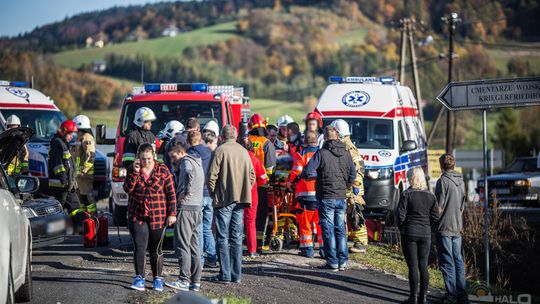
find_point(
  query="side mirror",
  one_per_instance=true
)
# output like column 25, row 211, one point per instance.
column 101, row 136
column 408, row 145
column 27, row 184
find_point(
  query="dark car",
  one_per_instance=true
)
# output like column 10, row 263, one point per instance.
column 516, row 186
column 48, row 221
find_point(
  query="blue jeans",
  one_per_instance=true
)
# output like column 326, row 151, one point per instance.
column 452, row 266
column 229, row 241
column 332, row 222
column 206, row 237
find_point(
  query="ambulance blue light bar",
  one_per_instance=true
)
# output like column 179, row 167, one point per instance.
column 175, row 87
column 356, row 79
column 18, row 84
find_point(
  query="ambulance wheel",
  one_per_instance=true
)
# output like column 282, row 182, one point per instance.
column 276, row 244
column 391, row 220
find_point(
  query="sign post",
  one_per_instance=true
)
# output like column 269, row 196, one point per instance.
column 484, row 95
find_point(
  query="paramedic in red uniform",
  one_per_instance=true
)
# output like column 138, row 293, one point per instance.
column 265, row 152
column 250, row 214
column 307, row 214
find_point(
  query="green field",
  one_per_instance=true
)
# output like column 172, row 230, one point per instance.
column 501, row 57
column 266, row 107
column 353, row 37
column 159, row 47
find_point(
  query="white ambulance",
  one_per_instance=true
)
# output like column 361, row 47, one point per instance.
column 39, row 113
column 383, row 118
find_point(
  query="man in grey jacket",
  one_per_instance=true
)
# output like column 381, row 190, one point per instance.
column 450, row 193
column 190, row 181
column 230, row 179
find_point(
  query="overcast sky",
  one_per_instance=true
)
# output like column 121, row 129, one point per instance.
column 19, row 16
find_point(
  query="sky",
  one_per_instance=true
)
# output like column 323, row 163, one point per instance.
column 19, row 16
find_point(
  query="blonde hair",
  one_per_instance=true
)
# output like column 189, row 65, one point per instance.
column 416, row 178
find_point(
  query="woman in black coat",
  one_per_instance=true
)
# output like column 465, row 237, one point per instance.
column 417, row 211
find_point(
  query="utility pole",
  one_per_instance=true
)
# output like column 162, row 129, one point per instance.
column 407, row 28
column 451, row 21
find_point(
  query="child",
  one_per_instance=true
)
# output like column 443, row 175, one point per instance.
column 190, row 181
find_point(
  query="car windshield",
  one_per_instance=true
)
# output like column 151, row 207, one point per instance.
column 370, row 133
column 44, row 122
column 523, row 165
column 166, row 111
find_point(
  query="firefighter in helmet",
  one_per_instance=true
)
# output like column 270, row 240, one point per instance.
column 62, row 174
column 19, row 164
column 265, row 152
column 355, row 202
column 282, row 134
column 314, row 123
column 141, row 134
column 84, row 152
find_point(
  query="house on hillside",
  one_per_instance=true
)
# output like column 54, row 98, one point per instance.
column 170, row 31
column 99, row 66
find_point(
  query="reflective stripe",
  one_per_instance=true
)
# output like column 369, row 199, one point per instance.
column 306, row 245
column 299, row 168
column 91, row 208
column 264, row 176
column 66, row 154
column 306, row 193
column 24, row 164
column 88, row 165
column 305, row 238
column 128, row 157
column 59, row 169
column 55, row 183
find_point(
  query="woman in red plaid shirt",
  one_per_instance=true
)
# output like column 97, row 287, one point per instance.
column 151, row 207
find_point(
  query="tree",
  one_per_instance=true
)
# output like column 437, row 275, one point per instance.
column 509, row 135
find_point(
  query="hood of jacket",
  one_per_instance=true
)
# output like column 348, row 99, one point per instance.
column 454, row 177
column 194, row 160
column 336, row 147
column 201, row 151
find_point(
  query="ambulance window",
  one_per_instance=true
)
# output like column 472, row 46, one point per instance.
column 370, row 133
column 400, row 133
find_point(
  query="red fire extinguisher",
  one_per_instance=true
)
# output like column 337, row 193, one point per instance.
column 89, row 231
column 103, row 231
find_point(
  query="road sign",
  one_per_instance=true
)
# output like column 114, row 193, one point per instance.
column 475, row 158
column 491, row 93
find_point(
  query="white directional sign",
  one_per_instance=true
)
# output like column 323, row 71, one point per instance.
column 492, row 93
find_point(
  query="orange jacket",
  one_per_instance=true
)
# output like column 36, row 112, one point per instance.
column 304, row 188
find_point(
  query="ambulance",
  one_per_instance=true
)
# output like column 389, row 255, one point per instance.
column 39, row 113
column 170, row 101
column 385, row 126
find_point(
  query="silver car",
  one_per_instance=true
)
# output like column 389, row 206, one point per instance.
column 15, row 231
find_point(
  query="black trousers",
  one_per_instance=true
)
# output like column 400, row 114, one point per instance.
column 70, row 201
column 416, row 252
column 143, row 238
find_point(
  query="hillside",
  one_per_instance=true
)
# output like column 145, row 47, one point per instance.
column 158, row 47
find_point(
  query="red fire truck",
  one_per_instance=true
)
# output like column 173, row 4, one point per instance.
column 170, row 101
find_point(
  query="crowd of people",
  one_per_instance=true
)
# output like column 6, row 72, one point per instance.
column 200, row 177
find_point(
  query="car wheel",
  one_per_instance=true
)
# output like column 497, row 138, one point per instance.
column 24, row 294
column 11, row 287
column 391, row 220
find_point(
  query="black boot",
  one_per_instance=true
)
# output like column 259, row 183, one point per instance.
column 422, row 298
column 413, row 298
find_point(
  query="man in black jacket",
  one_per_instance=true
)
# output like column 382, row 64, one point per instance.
column 334, row 171
column 450, row 193
column 62, row 174
column 138, row 136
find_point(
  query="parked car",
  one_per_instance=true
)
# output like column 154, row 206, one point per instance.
column 15, row 230
column 48, row 221
column 516, row 186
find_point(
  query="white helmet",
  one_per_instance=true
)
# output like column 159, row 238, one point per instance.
column 13, row 120
column 212, row 126
column 82, row 122
column 171, row 129
column 284, row 120
column 342, row 127
column 143, row 114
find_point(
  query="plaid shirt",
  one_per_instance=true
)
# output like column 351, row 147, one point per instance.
column 155, row 196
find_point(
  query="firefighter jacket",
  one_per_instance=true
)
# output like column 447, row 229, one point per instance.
column 359, row 165
column 305, row 189
column 61, row 169
column 264, row 151
column 19, row 164
column 84, row 153
column 133, row 141
column 295, row 145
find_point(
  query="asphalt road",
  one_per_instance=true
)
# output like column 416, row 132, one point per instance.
column 69, row 273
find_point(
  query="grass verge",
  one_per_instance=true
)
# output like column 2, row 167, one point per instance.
column 390, row 260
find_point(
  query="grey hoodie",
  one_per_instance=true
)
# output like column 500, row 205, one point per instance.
column 190, row 181
column 450, row 193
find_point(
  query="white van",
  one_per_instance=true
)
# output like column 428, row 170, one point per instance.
column 386, row 128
